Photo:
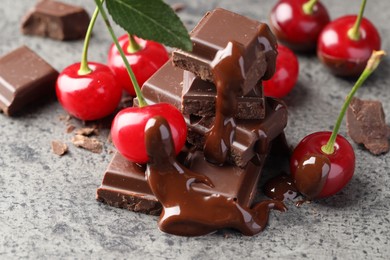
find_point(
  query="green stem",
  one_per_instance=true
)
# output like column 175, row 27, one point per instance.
column 372, row 64
column 141, row 100
column 308, row 7
column 133, row 45
column 84, row 69
column 354, row 32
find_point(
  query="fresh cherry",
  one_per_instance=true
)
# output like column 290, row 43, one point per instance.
column 128, row 129
column 91, row 96
column 88, row 90
column 345, row 44
column 324, row 162
column 298, row 23
column 286, row 74
column 145, row 58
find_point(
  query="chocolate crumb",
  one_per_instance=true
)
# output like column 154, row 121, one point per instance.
column 88, row 143
column 58, row 147
column 87, row 131
column 178, row 7
column 70, row 128
column 366, row 125
column 64, row 118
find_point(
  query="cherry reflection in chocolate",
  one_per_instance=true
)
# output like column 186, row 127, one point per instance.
column 185, row 211
column 228, row 70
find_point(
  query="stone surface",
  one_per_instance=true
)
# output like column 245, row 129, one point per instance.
column 47, row 203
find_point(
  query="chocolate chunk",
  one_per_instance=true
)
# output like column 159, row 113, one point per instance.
column 366, row 125
column 88, row 143
column 213, row 33
column 199, row 99
column 56, row 20
column 124, row 184
column 59, row 148
column 24, row 78
column 251, row 136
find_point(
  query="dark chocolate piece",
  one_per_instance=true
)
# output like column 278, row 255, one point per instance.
column 186, row 210
column 366, row 123
column 213, row 33
column 56, row 20
column 24, row 78
column 124, row 184
column 199, row 97
column 251, row 136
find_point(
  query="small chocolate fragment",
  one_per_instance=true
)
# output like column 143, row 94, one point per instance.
column 213, row 33
column 56, row 20
column 58, row 147
column 199, row 99
column 87, row 131
column 366, row 125
column 88, row 143
column 24, row 78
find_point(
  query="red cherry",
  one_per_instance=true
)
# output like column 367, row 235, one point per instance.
column 343, row 55
column 128, row 129
column 295, row 28
column 91, row 96
column 342, row 160
column 144, row 62
column 286, row 74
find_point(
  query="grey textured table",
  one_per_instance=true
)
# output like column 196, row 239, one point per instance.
column 47, row 203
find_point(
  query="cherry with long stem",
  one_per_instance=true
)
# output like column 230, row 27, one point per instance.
column 141, row 101
column 354, row 32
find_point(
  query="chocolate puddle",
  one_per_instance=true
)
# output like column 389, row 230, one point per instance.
column 281, row 187
column 188, row 212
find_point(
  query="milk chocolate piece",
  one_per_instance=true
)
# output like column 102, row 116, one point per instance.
column 366, row 125
column 251, row 136
column 213, row 33
column 124, row 184
column 56, row 20
column 199, row 97
column 24, row 78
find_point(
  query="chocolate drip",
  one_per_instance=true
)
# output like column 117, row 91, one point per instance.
column 269, row 44
column 186, row 211
column 311, row 174
column 227, row 68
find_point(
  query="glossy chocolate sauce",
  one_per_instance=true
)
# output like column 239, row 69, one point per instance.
column 311, row 174
column 281, row 187
column 227, row 67
column 188, row 212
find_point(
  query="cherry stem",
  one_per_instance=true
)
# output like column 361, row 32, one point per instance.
column 372, row 64
column 133, row 45
column 140, row 97
column 308, row 6
column 354, row 32
column 84, row 68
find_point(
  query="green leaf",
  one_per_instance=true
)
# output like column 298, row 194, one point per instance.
column 152, row 20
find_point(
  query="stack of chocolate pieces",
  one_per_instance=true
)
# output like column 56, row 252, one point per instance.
column 187, row 82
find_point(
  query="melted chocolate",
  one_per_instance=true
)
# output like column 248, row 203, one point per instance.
column 281, row 187
column 186, row 211
column 311, row 174
column 227, row 67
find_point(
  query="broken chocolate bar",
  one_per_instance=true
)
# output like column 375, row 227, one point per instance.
column 251, row 136
column 124, row 184
column 199, row 98
column 366, row 125
column 24, row 78
column 213, row 33
column 56, row 20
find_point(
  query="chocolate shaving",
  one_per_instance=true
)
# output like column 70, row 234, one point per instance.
column 366, row 125
column 88, row 143
column 70, row 128
column 59, row 148
column 87, row 131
